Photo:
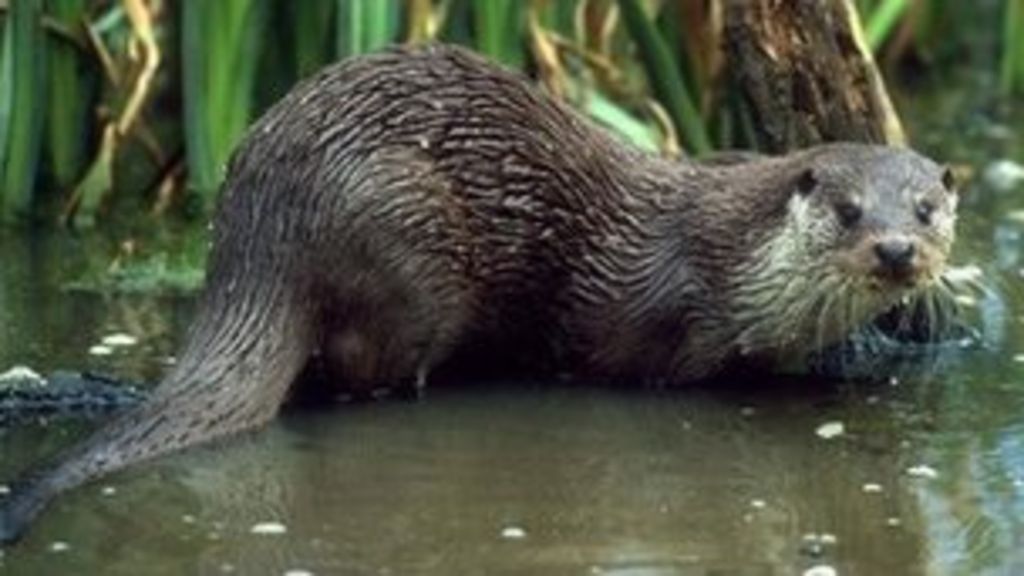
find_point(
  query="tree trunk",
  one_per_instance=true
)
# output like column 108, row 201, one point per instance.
column 806, row 75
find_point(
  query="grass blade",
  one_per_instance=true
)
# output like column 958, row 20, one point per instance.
column 621, row 122
column 311, row 29
column 350, row 28
column 881, row 21
column 202, row 167
column 498, row 30
column 1011, row 74
column 663, row 73
column 366, row 25
column 21, row 117
column 220, row 44
column 70, row 98
column 383, row 21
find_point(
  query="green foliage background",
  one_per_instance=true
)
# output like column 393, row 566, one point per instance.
column 69, row 70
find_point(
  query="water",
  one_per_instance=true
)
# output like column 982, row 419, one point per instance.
column 552, row 478
column 515, row 479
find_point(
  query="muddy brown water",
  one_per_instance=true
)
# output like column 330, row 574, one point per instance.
column 548, row 477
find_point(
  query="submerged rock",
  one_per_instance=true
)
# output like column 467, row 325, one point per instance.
column 25, row 395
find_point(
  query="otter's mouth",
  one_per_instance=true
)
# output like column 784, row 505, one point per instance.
column 883, row 279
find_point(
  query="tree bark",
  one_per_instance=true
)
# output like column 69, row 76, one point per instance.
column 805, row 74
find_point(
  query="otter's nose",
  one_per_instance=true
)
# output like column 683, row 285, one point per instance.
column 896, row 255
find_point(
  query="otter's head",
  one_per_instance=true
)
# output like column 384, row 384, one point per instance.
column 884, row 216
column 864, row 227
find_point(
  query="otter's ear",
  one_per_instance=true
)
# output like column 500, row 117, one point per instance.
column 949, row 179
column 806, row 182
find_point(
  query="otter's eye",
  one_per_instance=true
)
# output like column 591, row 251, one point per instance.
column 924, row 211
column 849, row 213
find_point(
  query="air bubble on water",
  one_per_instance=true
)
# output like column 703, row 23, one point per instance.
column 923, row 471
column 59, row 546
column 830, row 430
column 268, row 528
column 119, row 339
column 513, row 533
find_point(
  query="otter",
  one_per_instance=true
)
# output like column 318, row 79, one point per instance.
column 398, row 207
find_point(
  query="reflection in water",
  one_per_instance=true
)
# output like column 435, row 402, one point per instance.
column 48, row 326
column 597, row 481
column 538, row 478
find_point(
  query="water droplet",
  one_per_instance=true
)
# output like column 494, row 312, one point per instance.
column 966, row 300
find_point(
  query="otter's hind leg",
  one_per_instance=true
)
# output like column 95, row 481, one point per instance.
column 401, row 297
column 393, row 336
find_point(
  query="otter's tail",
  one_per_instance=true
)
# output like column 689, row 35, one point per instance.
column 243, row 353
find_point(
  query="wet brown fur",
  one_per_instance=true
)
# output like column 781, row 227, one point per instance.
column 397, row 207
